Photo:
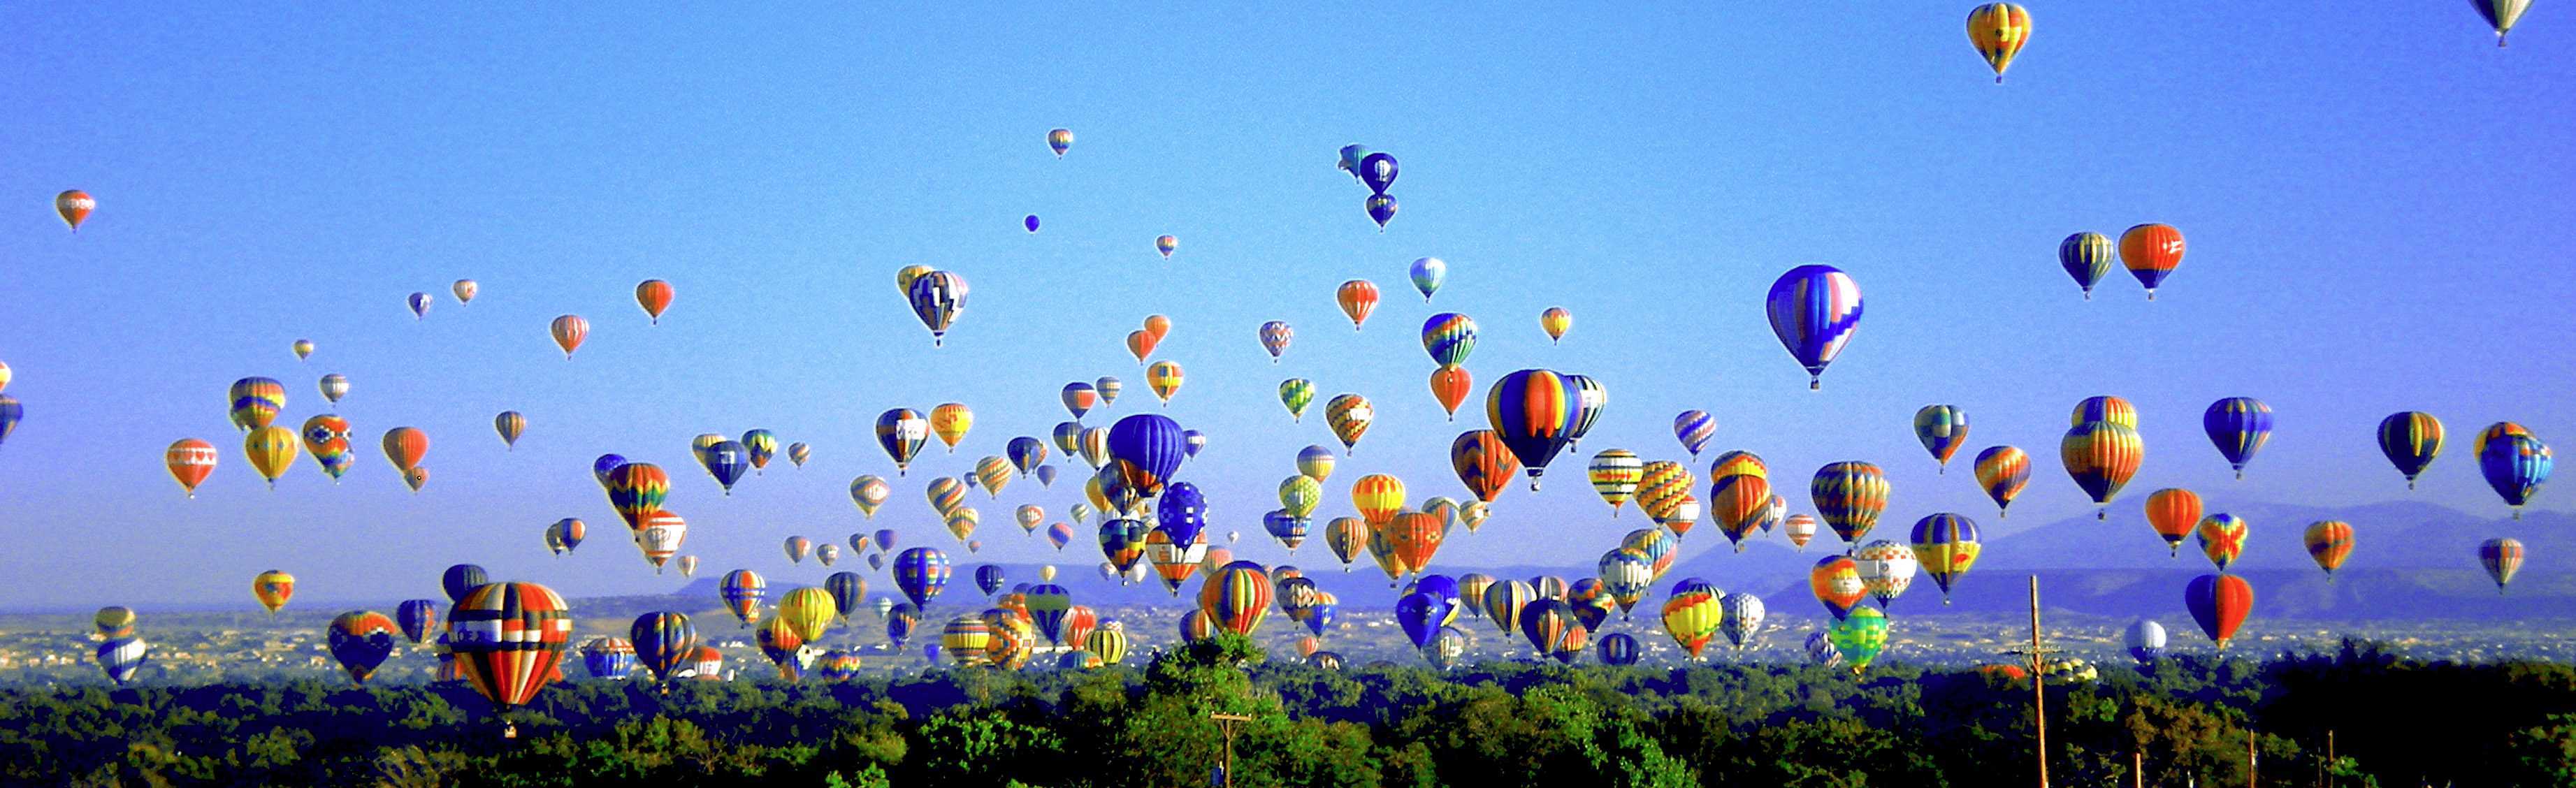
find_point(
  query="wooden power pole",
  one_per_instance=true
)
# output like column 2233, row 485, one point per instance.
column 1226, row 722
column 2038, row 652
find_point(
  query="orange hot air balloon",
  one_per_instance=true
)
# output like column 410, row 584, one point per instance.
column 1158, row 325
column 1415, row 536
column 2152, row 252
column 1141, row 343
column 74, row 206
column 1348, row 536
column 1358, row 298
column 405, row 446
column 1450, row 385
column 273, row 588
column 2173, row 512
column 569, row 331
column 654, row 295
column 2329, row 543
column 1164, row 377
column 190, row 461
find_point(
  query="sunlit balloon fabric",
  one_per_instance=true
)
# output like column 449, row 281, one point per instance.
column 1998, row 30
column 256, row 401
column 2502, row 558
column 1357, row 298
column 1813, row 310
column 2219, row 604
column 74, row 205
column 2087, row 257
column 2515, row 465
column 1942, row 429
column 360, row 640
column 1534, row 410
column 2329, row 543
column 190, row 461
column 2500, row 14
column 654, row 295
column 937, row 298
column 2101, row 456
column 1946, row 546
column 1849, row 496
column 2002, row 471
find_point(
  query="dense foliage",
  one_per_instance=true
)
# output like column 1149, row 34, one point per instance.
column 2397, row 722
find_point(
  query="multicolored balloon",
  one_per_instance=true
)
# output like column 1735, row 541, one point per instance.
column 2086, row 256
column 2238, row 426
column 1942, row 429
column 1428, row 273
column 1998, row 30
column 1534, row 411
column 1813, row 310
column 2410, row 439
column 2152, row 252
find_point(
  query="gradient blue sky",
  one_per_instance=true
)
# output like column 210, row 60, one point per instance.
column 2375, row 200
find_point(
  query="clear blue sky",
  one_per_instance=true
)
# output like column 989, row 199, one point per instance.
column 2375, row 201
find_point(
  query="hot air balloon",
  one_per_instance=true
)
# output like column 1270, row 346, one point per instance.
column 569, row 331
column 1886, row 569
column 509, row 640
column 1428, row 273
column 1414, row 537
column 1943, row 429
column 608, row 657
column 1813, row 310
column 1449, row 337
column 1555, row 321
column 255, row 402
column 113, row 622
column 961, row 524
column 1061, row 140
column 1377, row 171
column 1859, row 638
column 2152, row 252
column 758, row 447
column 405, row 446
column 797, row 547
column 190, row 461
column 1534, row 411
column 417, row 617
column 2502, row 558
column 1849, row 496
column 1482, row 463
column 1348, row 536
column 74, row 206
column 869, row 492
column 1141, row 344
column 360, row 640
column 654, row 295
column 1109, row 389
column 809, row 611
column 568, row 533
column 1166, row 244
column 661, row 537
column 1145, row 450
column 921, row 573
column 663, row 641
column 1553, row 629
column 1836, row 582
column 938, row 297
column 2085, row 256
column 1164, row 377
column 1625, row 573
column 1450, row 386
column 689, row 563
column 1998, row 30
column 419, row 305
column 2002, row 471
column 1236, row 598
column 2500, row 14
column 271, row 451
column 742, row 590
column 2329, row 542
column 1692, row 616
column 2101, row 456
column 1378, row 497
column 509, row 424
column 1590, row 398
column 1693, row 428
column 2146, row 641
column 2219, row 603
column 2411, row 440
column 1739, row 502
column 122, row 658
column 2173, row 512
column 333, row 386
column 1616, row 475
column 1799, row 528
column 1358, row 297
column 1743, row 618
column 415, row 477
column 2238, row 426
column 1946, row 546
column 727, row 461
column 902, row 431
column 2222, row 538
column 2515, row 466
column 1381, row 208
column 1349, row 415
column 1030, row 221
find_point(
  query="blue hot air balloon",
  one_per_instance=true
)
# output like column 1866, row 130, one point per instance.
column 728, row 461
column 1534, row 410
column 663, row 641
column 1030, row 222
column 599, row 468
column 1182, row 512
column 921, row 573
column 989, row 578
column 1378, row 170
column 2238, row 426
column 1147, row 449
column 1192, row 441
column 418, row 618
column 461, row 579
column 1419, row 613
column 1814, row 309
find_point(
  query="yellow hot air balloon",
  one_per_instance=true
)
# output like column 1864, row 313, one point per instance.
column 272, row 450
column 1998, row 30
column 1165, row 378
column 1379, row 497
column 950, row 422
column 273, row 588
column 809, row 611
column 1299, row 495
column 1349, row 415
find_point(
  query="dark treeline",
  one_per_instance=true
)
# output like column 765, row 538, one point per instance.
column 2397, row 722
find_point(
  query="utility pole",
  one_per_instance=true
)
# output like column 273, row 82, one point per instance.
column 2330, row 757
column 2137, row 769
column 1226, row 722
column 2253, row 765
column 2038, row 652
